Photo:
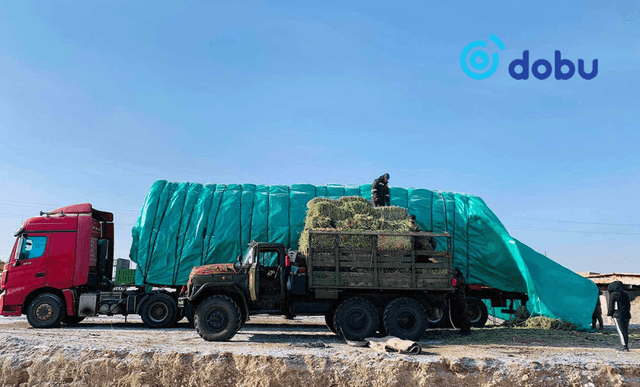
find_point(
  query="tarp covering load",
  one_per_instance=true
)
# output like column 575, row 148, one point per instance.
column 183, row 225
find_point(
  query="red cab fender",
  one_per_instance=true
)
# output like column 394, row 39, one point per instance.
column 70, row 298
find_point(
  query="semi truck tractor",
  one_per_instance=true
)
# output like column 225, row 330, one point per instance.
column 61, row 270
column 360, row 291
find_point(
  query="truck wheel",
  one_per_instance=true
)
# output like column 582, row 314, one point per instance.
column 405, row 318
column 46, row 311
column 158, row 311
column 441, row 319
column 328, row 319
column 356, row 319
column 218, row 318
column 478, row 312
column 72, row 320
column 189, row 312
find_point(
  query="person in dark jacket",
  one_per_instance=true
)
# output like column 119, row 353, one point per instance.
column 421, row 243
column 380, row 191
column 620, row 310
column 459, row 309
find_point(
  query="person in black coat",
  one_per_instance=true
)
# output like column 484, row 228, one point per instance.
column 420, row 243
column 620, row 310
column 380, row 191
column 458, row 307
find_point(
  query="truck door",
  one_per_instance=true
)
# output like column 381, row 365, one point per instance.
column 28, row 266
column 269, row 277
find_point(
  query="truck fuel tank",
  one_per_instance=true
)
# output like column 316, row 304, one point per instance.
column 87, row 304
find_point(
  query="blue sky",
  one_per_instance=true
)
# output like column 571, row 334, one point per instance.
column 100, row 99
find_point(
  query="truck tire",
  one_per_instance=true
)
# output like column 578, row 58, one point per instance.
column 189, row 312
column 328, row 319
column 46, row 311
column 72, row 320
column 218, row 318
column 440, row 321
column 405, row 318
column 158, row 311
column 478, row 312
column 356, row 319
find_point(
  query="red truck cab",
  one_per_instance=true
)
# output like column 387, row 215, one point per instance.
column 56, row 256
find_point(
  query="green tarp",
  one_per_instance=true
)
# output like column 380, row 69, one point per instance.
column 183, row 225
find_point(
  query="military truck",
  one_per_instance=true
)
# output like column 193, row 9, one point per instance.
column 344, row 276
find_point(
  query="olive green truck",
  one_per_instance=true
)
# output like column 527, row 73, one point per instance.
column 360, row 291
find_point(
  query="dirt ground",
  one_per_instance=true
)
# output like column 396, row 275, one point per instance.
column 270, row 351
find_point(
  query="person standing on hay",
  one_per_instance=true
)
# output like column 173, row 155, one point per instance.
column 380, row 191
column 620, row 310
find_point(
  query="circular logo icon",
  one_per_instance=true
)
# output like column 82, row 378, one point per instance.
column 476, row 62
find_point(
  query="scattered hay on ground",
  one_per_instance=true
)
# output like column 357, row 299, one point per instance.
column 555, row 324
column 522, row 319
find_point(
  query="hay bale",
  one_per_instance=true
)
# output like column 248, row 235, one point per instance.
column 392, row 212
column 317, row 200
column 328, row 209
column 353, row 213
column 357, row 208
column 353, row 199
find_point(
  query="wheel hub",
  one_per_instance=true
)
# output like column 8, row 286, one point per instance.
column 44, row 312
column 357, row 320
column 406, row 320
column 158, row 311
column 217, row 320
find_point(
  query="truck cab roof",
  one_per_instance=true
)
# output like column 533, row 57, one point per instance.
column 62, row 219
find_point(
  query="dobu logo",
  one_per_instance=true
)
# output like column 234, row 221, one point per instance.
column 475, row 61
column 478, row 64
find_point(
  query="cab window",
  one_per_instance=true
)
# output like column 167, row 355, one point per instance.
column 268, row 258
column 33, row 247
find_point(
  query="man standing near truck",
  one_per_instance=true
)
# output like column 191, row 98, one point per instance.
column 620, row 310
column 380, row 191
column 459, row 309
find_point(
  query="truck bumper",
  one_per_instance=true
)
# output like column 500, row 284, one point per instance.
column 9, row 310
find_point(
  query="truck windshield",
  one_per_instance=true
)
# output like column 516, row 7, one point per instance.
column 249, row 257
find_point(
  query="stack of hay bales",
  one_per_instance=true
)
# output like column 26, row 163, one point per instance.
column 353, row 213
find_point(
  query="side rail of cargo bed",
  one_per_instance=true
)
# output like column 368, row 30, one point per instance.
column 378, row 260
